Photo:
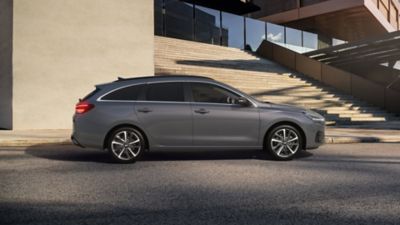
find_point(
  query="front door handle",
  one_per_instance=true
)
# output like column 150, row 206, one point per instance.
column 201, row 111
column 144, row 110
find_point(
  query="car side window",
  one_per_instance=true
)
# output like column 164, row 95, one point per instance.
column 165, row 92
column 211, row 94
column 130, row 93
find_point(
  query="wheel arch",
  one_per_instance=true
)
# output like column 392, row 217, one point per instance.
column 290, row 123
column 146, row 140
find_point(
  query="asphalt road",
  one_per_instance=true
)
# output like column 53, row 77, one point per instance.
column 336, row 184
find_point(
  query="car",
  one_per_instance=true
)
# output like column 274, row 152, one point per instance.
column 129, row 116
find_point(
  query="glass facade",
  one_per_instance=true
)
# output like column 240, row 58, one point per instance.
column 310, row 41
column 178, row 19
column 294, row 39
column 255, row 33
column 234, row 26
column 207, row 25
column 158, row 17
column 337, row 41
column 275, row 33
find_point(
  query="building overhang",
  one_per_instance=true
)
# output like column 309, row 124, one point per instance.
column 349, row 20
column 239, row 7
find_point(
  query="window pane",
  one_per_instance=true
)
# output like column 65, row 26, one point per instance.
column 128, row 93
column 158, row 17
column 293, row 37
column 337, row 41
column 232, row 30
column 179, row 19
column 211, row 93
column 310, row 41
column 275, row 33
column 172, row 92
column 207, row 25
column 255, row 33
column 324, row 41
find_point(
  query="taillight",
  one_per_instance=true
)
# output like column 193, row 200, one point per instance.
column 83, row 107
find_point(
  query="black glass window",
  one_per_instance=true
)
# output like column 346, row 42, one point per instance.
column 208, row 25
column 158, row 17
column 128, row 93
column 179, row 19
column 211, row 93
column 171, row 92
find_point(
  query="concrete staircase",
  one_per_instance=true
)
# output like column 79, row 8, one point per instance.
column 262, row 79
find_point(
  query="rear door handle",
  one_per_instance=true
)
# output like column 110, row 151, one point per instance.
column 144, row 110
column 201, row 111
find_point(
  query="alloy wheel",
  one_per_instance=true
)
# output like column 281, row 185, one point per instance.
column 285, row 142
column 126, row 145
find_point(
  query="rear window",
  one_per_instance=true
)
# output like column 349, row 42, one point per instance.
column 130, row 93
column 165, row 92
column 90, row 94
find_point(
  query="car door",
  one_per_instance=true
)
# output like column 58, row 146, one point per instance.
column 219, row 122
column 165, row 115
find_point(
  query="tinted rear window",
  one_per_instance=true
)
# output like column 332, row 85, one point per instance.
column 171, row 92
column 91, row 94
column 130, row 93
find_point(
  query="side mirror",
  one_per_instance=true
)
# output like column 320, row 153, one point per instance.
column 242, row 101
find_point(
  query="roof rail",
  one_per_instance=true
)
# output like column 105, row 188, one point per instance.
column 161, row 76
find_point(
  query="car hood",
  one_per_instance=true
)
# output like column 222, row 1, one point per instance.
column 282, row 107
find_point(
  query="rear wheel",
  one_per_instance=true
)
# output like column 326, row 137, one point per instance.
column 126, row 145
column 284, row 142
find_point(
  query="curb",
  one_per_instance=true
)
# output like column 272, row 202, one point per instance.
column 328, row 140
column 351, row 140
column 29, row 143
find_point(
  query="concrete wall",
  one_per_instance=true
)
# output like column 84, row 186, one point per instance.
column 337, row 78
column 62, row 48
column 349, row 83
column 308, row 66
column 6, row 64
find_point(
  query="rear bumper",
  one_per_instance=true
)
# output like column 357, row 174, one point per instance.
column 75, row 141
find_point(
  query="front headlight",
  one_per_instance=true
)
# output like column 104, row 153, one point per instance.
column 314, row 116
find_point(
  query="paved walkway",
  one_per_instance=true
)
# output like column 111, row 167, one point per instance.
column 334, row 135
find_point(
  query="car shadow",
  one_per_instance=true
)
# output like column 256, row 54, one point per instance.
column 76, row 154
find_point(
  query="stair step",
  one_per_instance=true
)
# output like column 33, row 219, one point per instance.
column 263, row 79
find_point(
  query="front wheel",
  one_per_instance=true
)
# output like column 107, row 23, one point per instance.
column 126, row 145
column 283, row 142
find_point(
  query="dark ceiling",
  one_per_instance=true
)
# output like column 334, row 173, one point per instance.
column 233, row 6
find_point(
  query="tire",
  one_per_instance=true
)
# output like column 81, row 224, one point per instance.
column 126, row 145
column 283, row 142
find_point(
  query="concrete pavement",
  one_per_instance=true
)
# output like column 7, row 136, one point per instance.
column 334, row 135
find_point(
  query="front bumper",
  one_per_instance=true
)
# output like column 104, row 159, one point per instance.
column 315, row 135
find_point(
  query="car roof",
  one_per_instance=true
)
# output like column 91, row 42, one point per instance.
column 164, row 77
column 124, row 81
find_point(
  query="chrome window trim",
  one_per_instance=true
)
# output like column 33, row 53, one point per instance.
column 99, row 99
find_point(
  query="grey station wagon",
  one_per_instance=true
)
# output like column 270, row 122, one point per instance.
column 130, row 116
